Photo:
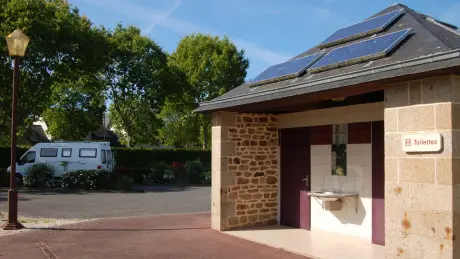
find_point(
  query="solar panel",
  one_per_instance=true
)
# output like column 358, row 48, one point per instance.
column 289, row 69
column 361, row 29
column 361, row 51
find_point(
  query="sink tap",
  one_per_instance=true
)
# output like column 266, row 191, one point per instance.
column 332, row 190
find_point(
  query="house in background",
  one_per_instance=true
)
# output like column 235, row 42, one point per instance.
column 353, row 145
column 105, row 133
column 37, row 133
column 41, row 126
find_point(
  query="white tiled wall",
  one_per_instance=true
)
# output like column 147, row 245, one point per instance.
column 358, row 180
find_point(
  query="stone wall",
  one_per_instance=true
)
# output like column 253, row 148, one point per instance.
column 245, row 170
column 421, row 189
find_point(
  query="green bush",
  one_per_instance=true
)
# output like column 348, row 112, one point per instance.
column 206, row 176
column 4, row 178
column 159, row 173
column 121, row 182
column 194, row 171
column 39, row 176
column 85, row 179
column 137, row 174
column 198, row 173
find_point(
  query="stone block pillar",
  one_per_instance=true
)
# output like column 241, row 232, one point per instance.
column 422, row 201
column 245, row 173
column 222, row 149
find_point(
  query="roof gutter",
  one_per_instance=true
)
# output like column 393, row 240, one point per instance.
column 363, row 72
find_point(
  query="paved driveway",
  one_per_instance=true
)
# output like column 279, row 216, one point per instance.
column 162, row 237
column 157, row 200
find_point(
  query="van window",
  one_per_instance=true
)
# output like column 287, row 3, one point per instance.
column 103, row 159
column 109, row 155
column 28, row 158
column 66, row 152
column 48, row 152
column 88, row 152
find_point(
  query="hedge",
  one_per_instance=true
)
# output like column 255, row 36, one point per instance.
column 133, row 158
column 144, row 157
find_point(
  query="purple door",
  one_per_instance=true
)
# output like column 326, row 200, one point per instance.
column 378, row 183
column 295, row 177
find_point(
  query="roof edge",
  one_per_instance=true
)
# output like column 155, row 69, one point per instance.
column 368, row 71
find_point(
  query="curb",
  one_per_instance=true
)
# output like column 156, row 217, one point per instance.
column 137, row 189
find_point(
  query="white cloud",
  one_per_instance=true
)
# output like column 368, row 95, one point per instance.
column 165, row 20
column 451, row 15
column 261, row 8
column 265, row 55
column 326, row 17
column 159, row 19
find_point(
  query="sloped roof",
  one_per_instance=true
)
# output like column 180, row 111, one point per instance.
column 36, row 134
column 432, row 46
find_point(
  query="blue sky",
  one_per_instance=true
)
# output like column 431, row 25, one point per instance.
column 270, row 31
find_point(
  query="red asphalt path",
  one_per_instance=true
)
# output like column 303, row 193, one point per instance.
column 163, row 237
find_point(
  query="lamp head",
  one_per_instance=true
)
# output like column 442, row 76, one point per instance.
column 17, row 43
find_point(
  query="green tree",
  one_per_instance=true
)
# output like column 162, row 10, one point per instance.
column 212, row 66
column 137, row 81
column 64, row 46
column 78, row 109
column 180, row 125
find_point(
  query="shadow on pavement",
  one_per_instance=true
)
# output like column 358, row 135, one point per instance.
column 137, row 189
column 121, row 230
column 4, row 197
column 166, row 188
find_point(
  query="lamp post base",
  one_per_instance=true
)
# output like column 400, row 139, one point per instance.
column 13, row 223
column 13, row 226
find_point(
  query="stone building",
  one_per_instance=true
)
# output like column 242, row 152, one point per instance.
column 358, row 136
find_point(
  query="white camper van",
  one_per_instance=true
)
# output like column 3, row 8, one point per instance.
column 67, row 157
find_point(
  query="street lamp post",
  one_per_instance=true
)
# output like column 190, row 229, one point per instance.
column 17, row 44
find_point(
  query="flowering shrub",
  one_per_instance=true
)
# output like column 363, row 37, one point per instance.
column 97, row 180
column 39, row 176
column 177, row 165
column 85, row 179
column 159, row 173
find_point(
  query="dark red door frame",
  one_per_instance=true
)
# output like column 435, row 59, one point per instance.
column 295, row 165
column 378, row 183
column 295, row 171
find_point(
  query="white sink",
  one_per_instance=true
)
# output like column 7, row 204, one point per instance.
column 324, row 193
column 325, row 196
column 331, row 196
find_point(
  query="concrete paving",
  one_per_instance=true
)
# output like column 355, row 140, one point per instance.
column 315, row 243
column 156, row 200
column 164, row 237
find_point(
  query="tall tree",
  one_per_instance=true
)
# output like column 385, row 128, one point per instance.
column 212, row 66
column 137, row 80
column 180, row 126
column 63, row 46
column 77, row 109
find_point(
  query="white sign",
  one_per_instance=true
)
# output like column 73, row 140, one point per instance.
column 427, row 142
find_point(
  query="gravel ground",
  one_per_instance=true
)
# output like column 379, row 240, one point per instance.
column 35, row 223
